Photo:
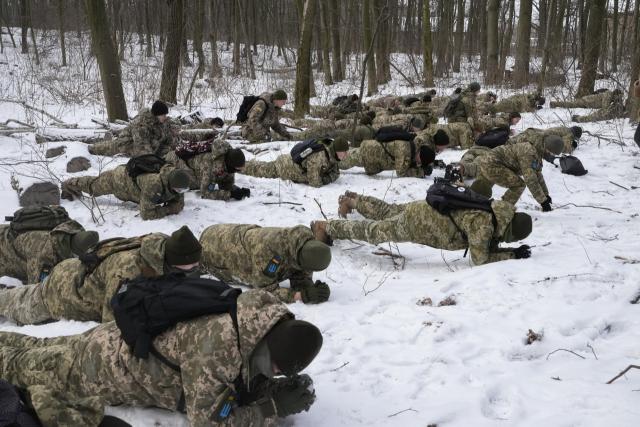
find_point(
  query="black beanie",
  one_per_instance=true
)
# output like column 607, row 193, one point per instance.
column 458, row 90
column 217, row 121
column 182, row 248
column 441, row 138
column 371, row 114
column 234, row 158
column 366, row 120
column 427, row 155
column 354, row 97
column 159, row 108
column 514, row 115
column 576, row 131
column 293, row 345
column 426, row 98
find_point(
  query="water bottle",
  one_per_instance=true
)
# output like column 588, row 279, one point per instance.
column 306, row 152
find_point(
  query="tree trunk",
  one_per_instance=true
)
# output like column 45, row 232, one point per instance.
column 614, row 38
column 171, row 63
column 326, row 43
column 334, row 15
column 107, row 60
column 584, row 18
column 367, row 33
column 542, row 25
column 198, row 35
column 458, row 36
column 622, row 43
column 604, row 42
column 4, row 19
column 633, row 102
column 62, row 45
column 482, row 39
column 592, row 48
column 523, row 45
column 427, row 54
column 147, row 27
column 555, row 55
column 213, row 38
column 247, row 43
column 236, row 38
column 545, row 53
column 303, row 66
column 24, row 25
column 492, row 76
column 506, row 43
column 33, row 35
column 383, row 69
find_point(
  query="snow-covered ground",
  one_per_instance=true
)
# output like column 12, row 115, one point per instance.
column 387, row 359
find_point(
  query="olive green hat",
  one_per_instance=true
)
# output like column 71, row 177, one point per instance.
column 519, row 228
column 397, row 110
column 400, row 99
column 179, row 179
column 279, row 95
column 314, row 256
column 182, row 248
column 293, row 345
column 482, row 187
column 554, row 144
column 371, row 114
column 340, row 144
column 366, row 120
column 475, row 86
column 416, row 122
column 82, row 240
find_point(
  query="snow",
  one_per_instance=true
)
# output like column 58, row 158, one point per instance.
column 388, row 361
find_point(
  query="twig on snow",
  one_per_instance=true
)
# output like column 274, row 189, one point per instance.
column 320, row 206
column 585, row 250
column 284, row 203
column 627, row 261
column 594, row 353
column 619, row 185
column 564, row 350
column 623, row 372
column 584, row 206
column 333, row 370
column 410, row 409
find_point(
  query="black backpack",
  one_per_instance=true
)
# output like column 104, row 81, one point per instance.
column 338, row 99
column 245, row 107
column 452, row 105
column 493, row 138
column 13, row 409
column 393, row 133
column 147, row 163
column 571, row 165
column 305, row 148
column 410, row 101
column 35, row 217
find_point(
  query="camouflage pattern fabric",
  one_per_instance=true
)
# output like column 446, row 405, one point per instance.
column 145, row 135
column 613, row 111
column 258, row 122
column 522, row 103
column 27, row 255
column 466, row 110
column 320, row 128
column 208, row 172
column 150, row 191
column 437, row 105
column 460, row 134
column 597, row 101
column 375, row 159
column 352, row 160
column 505, row 165
column 311, row 171
column 423, row 111
column 468, row 161
column 362, row 133
column 384, row 102
column 400, row 120
column 484, row 108
column 70, row 293
column 99, row 365
column 417, row 222
column 240, row 253
column 561, row 131
column 492, row 122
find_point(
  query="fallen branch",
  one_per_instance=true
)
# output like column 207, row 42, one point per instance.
column 623, row 372
column 584, row 206
column 568, row 275
column 619, row 185
column 10, row 131
column 564, row 350
column 410, row 409
column 556, row 378
column 385, row 252
column 31, row 107
column 602, row 137
column 284, row 203
column 333, row 370
column 594, row 353
column 627, row 261
column 320, row 206
column 16, row 121
column 292, row 127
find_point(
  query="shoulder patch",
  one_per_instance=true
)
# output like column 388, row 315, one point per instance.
column 535, row 165
column 156, row 197
column 407, row 161
column 271, row 268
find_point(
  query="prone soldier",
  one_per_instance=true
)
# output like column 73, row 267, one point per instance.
column 522, row 103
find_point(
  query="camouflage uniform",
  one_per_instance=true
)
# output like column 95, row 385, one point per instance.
column 468, row 161
column 353, row 159
column 240, row 253
column 260, row 121
column 69, row 292
column 613, row 111
column 417, row 222
column 506, row 164
column 437, row 105
column 208, row 170
column 561, row 131
column 423, row 111
column 150, row 190
column 345, row 107
column 521, row 103
column 400, row 120
column 460, row 134
column 310, row 171
column 362, row 133
column 384, row 102
column 597, row 101
column 492, row 122
column 319, row 129
column 372, row 156
column 98, row 368
column 466, row 110
column 30, row 255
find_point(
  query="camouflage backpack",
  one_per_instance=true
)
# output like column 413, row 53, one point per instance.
column 35, row 217
column 451, row 106
column 100, row 251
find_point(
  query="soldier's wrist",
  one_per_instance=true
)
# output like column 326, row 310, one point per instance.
column 267, row 407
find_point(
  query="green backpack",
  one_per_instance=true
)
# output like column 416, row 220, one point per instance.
column 35, row 217
column 100, row 251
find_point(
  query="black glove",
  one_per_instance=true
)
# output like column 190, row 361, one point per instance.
column 294, row 396
column 549, row 199
column 326, row 180
column 439, row 164
column 427, row 170
column 546, row 205
column 237, row 193
column 523, row 252
column 246, row 192
column 316, row 293
column 287, row 137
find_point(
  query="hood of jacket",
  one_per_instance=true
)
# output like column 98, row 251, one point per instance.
column 152, row 250
column 258, row 312
column 504, row 215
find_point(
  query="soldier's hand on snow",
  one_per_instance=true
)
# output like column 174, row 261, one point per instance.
column 173, row 208
column 326, row 180
column 439, row 164
column 546, row 205
column 246, row 192
column 316, row 293
column 427, row 170
column 236, row 193
column 523, row 252
column 549, row 199
column 294, row 396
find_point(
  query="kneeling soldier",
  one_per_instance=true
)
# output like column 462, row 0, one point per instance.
column 265, row 257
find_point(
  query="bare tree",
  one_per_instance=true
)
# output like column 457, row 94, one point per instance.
column 592, row 48
column 61, row 21
column 367, row 38
column 523, row 44
column 334, row 14
column 171, row 63
column 492, row 42
column 303, row 65
column 547, row 47
column 506, row 41
column 326, row 43
column 427, row 54
column 24, row 24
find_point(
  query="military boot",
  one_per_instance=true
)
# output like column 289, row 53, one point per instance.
column 350, row 194
column 346, row 205
column 553, row 104
column 574, row 118
column 67, row 193
column 319, row 229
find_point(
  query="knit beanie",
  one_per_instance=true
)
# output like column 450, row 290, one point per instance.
column 234, row 158
column 182, row 248
column 340, row 144
column 427, row 155
column 479, row 127
column 441, row 138
column 179, row 179
column 576, row 131
column 458, row 90
column 371, row 114
column 475, row 86
column 279, row 95
column 397, row 110
column 159, row 108
column 541, row 99
column 521, row 226
column 426, row 98
column 217, row 121
column 554, row 144
column 400, row 99
column 293, row 345
column 514, row 115
column 482, row 187
column 82, row 240
column 416, row 123
column 314, row 256
column 354, row 97
column 366, row 120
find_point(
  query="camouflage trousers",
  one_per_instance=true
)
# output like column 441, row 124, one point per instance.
column 375, row 209
column 105, row 148
column 391, row 229
column 570, row 104
column 260, row 169
column 95, row 186
column 286, row 295
column 468, row 161
column 610, row 113
column 320, row 129
column 502, row 176
column 353, row 160
column 46, row 367
column 25, row 305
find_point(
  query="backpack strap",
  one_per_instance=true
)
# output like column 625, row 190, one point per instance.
column 464, row 235
column 386, row 151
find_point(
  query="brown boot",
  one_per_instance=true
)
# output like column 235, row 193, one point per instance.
column 319, row 229
column 67, row 193
column 350, row 194
column 345, row 205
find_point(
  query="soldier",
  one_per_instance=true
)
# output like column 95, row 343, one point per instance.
column 264, row 116
column 78, row 290
column 394, row 117
column 614, row 110
column 505, row 164
column 319, row 129
column 484, row 102
column 386, row 102
column 251, row 255
column 522, row 103
column 570, row 136
column 417, row 222
column 460, row 134
column 30, row 255
column 504, row 121
column 467, row 167
column 318, row 169
column 596, row 101
column 407, row 158
column 212, row 123
column 145, row 135
column 212, row 166
column 466, row 109
column 158, row 194
column 363, row 132
column 219, row 375
column 423, row 110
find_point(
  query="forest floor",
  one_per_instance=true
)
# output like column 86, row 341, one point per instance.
column 391, row 357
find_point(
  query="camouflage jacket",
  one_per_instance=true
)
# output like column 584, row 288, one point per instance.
column 564, row 133
column 99, row 365
column 208, row 171
column 311, row 170
column 259, row 121
column 460, row 134
column 144, row 135
column 247, row 250
column 428, row 227
column 31, row 255
column 599, row 100
column 520, row 103
column 71, row 293
column 384, row 102
column 465, row 110
column 523, row 155
column 492, row 122
column 362, row 133
column 400, row 120
column 150, row 190
column 376, row 159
